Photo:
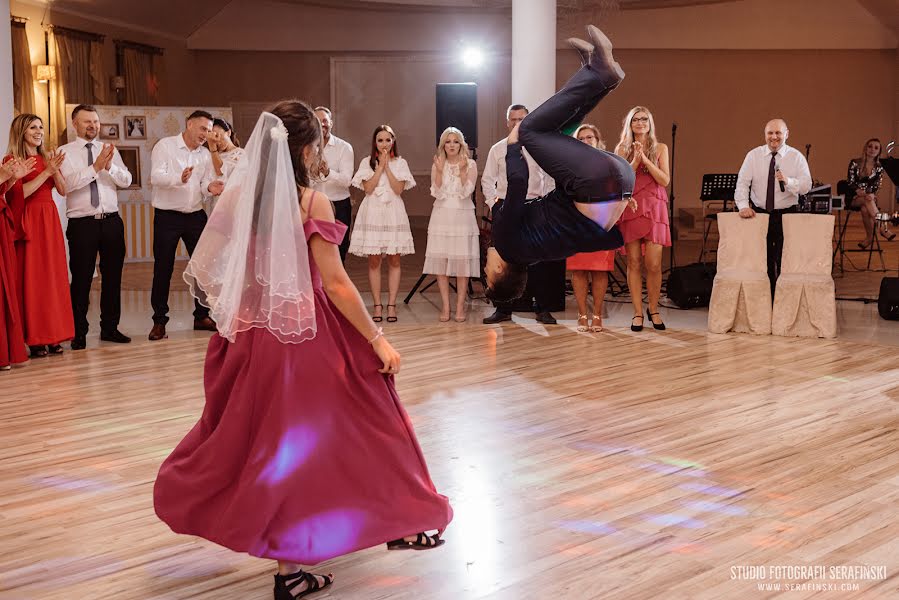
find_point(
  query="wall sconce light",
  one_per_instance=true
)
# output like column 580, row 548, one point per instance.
column 117, row 82
column 46, row 73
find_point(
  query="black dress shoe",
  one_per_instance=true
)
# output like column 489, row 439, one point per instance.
column 79, row 342
column 204, row 324
column 115, row 336
column 497, row 317
column 546, row 318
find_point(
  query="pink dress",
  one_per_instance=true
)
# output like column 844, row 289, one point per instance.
column 304, row 451
column 650, row 221
column 601, row 260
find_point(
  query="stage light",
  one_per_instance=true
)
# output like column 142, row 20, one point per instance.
column 472, row 57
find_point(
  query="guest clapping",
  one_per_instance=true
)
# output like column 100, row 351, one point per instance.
column 43, row 286
column 382, row 225
column 453, row 229
column 864, row 180
column 646, row 231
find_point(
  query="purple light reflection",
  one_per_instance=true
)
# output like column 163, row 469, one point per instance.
column 326, row 534
column 294, row 448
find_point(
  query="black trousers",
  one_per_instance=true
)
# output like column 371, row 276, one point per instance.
column 170, row 226
column 581, row 172
column 88, row 237
column 775, row 240
column 343, row 212
column 545, row 289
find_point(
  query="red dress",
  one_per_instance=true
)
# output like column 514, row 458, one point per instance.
column 650, row 222
column 44, row 300
column 304, row 451
column 12, row 340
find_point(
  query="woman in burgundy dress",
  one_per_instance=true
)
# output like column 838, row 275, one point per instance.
column 12, row 339
column 44, row 300
column 304, row 451
column 645, row 231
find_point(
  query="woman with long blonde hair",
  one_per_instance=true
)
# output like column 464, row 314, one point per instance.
column 646, row 231
column 590, row 269
column 43, row 278
column 864, row 178
column 452, row 249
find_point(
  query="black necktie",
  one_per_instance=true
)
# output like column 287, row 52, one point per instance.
column 769, row 198
column 95, row 191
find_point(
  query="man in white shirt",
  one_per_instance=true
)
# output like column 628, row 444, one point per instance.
column 770, row 181
column 335, row 174
column 93, row 172
column 545, row 279
column 182, row 177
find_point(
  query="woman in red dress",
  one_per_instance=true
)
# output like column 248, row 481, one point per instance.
column 645, row 231
column 44, row 300
column 590, row 268
column 12, row 340
column 304, row 451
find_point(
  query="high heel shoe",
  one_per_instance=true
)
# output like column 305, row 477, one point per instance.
column 659, row 326
column 392, row 319
column 596, row 328
column 887, row 234
column 864, row 246
column 582, row 328
column 377, row 318
column 637, row 327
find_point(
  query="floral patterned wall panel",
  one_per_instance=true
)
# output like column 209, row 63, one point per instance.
column 135, row 130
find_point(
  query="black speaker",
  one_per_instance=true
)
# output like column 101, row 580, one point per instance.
column 457, row 106
column 691, row 286
column 888, row 299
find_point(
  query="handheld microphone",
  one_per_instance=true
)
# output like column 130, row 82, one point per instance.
column 777, row 170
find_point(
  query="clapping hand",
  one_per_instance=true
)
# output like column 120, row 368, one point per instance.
column 54, row 161
column 439, row 161
column 104, row 159
column 186, row 173
column 638, row 152
column 17, row 169
column 216, row 187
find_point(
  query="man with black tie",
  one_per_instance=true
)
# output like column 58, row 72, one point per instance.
column 93, row 172
column 772, row 178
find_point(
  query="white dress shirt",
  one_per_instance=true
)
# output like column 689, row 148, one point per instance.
column 493, row 182
column 78, row 174
column 339, row 156
column 752, row 182
column 169, row 159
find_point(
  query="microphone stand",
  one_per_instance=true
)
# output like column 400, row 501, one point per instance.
column 671, row 220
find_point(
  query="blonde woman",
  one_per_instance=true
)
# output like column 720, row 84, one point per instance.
column 452, row 249
column 43, row 278
column 864, row 179
column 645, row 231
column 590, row 266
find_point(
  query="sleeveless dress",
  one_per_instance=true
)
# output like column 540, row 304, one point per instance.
column 45, row 304
column 304, row 451
column 382, row 225
column 650, row 222
column 453, row 246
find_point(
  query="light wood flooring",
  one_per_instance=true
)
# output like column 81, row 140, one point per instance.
column 580, row 466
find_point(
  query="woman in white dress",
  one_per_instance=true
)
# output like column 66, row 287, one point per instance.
column 225, row 150
column 382, row 225
column 453, row 230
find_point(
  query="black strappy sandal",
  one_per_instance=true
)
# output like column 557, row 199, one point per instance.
column 379, row 318
column 54, row 349
column 392, row 319
column 37, row 351
column 285, row 583
column 659, row 326
column 422, row 541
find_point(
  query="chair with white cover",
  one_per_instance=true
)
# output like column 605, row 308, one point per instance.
column 741, row 292
column 804, row 298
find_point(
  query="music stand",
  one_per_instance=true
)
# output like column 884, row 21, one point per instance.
column 716, row 187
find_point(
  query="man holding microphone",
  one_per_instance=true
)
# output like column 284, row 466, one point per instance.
column 772, row 178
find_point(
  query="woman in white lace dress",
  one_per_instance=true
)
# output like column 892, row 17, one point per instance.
column 382, row 225
column 225, row 150
column 453, row 230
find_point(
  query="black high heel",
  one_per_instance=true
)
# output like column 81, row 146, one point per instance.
column 285, row 583
column 378, row 318
column 659, row 326
column 389, row 318
column 887, row 234
column 637, row 327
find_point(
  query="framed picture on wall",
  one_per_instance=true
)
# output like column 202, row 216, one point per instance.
column 109, row 131
column 131, row 158
column 136, row 127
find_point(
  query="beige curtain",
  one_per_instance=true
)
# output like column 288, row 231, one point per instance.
column 99, row 74
column 58, row 117
column 80, row 77
column 141, row 77
column 22, row 78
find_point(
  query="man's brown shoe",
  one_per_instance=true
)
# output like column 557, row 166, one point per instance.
column 204, row 324
column 158, row 332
